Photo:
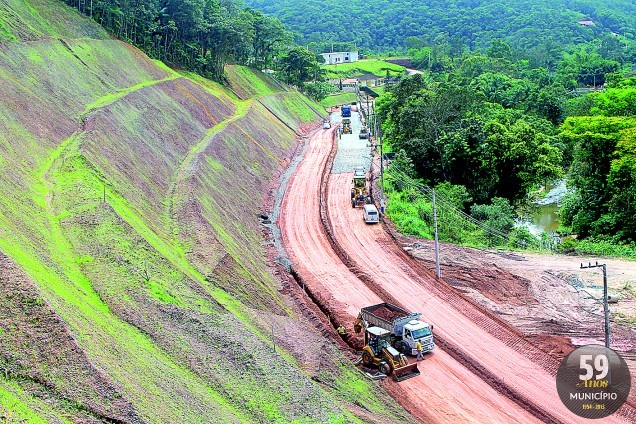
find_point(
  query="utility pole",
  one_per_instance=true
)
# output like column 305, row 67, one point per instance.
column 379, row 138
column 437, row 267
column 605, row 306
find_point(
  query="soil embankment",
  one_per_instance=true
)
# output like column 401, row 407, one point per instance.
column 132, row 259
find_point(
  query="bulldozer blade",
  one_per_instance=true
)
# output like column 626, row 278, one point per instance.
column 406, row 372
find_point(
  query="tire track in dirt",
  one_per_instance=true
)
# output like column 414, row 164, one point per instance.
column 446, row 392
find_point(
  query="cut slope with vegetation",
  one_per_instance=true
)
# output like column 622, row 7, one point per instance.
column 135, row 286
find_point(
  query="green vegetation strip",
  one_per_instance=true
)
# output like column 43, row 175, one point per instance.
column 338, row 99
column 111, row 98
column 14, row 406
column 361, row 67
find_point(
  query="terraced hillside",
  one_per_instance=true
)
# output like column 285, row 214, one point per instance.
column 134, row 284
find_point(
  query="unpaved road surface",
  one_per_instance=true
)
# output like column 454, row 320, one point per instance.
column 485, row 371
column 430, row 395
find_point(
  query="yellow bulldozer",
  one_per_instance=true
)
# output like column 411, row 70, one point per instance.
column 378, row 353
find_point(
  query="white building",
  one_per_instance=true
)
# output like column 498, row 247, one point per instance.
column 335, row 58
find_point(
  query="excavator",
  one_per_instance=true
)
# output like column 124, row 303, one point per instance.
column 379, row 353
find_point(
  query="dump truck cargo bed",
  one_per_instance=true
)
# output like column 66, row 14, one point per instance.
column 388, row 316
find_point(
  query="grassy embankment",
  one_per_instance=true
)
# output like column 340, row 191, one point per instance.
column 362, row 67
column 129, row 201
column 338, row 99
column 350, row 70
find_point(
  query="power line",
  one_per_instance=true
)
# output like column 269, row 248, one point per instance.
column 448, row 208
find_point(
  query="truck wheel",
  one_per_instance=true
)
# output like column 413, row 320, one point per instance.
column 367, row 359
column 385, row 368
column 402, row 347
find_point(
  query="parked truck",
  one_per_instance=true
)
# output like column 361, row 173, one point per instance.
column 405, row 328
column 346, row 111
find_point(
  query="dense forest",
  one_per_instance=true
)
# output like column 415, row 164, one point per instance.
column 538, row 28
column 199, row 35
column 487, row 130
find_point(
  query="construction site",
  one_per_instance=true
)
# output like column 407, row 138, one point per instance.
column 502, row 321
column 177, row 250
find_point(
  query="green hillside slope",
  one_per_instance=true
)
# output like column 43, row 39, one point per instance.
column 135, row 286
column 34, row 19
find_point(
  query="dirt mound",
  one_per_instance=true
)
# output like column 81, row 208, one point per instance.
column 386, row 313
column 558, row 346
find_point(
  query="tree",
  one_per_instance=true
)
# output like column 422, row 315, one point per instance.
column 593, row 141
column 622, row 186
column 499, row 49
column 269, row 37
column 298, row 65
column 319, row 90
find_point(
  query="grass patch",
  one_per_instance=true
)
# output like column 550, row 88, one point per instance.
column 293, row 108
column 338, row 99
column 362, row 67
column 212, row 87
column 599, row 248
column 33, row 19
column 16, row 406
column 247, row 82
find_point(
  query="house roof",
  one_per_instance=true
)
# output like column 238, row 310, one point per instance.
column 586, row 23
column 368, row 77
column 355, row 51
column 350, row 81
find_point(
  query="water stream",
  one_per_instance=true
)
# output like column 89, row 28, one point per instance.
column 541, row 214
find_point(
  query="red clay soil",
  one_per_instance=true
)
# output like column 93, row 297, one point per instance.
column 475, row 336
column 446, row 391
column 386, row 313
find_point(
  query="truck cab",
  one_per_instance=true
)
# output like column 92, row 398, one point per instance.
column 414, row 331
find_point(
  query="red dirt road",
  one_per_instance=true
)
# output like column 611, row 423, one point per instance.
column 494, row 345
column 446, row 391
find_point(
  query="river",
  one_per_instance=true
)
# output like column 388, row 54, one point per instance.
column 541, row 215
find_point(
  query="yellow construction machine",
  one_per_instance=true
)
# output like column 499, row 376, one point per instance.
column 379, row 353
column 346, row 126
column 359, row 192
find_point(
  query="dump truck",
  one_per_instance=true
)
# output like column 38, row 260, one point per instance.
column 346, row 111
column 378, row 353
column 405, row 328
